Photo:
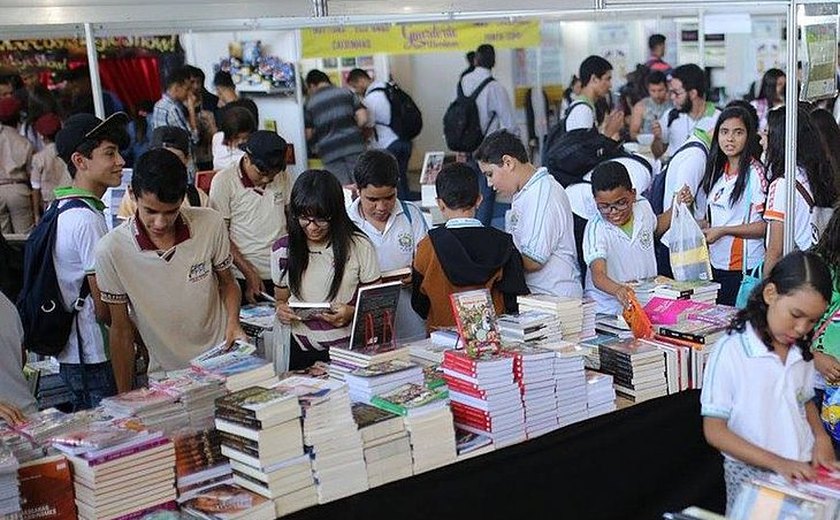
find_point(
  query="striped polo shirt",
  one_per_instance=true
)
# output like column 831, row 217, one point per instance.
column 330, row 112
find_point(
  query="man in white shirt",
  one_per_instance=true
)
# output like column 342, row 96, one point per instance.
column 540, row 217
column 596, row 76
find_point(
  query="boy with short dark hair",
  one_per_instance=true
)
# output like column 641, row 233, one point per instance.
column 464, row 254
column 596, row 80
column 173, row 265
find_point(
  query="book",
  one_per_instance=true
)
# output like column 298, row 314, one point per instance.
column 410, row 399
column 432, row 164
column 665, row 311
column 375, row 422
column 375, row 316
column 396, row 275
column 475, row 317
column 46, row 489
column 309, row 310
column 262, row 403
column 227, row 502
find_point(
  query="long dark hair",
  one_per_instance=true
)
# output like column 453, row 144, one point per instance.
column 829, row 133
column 141, row 110
column 317, row 194
column 718, row 160
column 768, row 86
column 809, row 155
column 793, row 272
column 828, row 246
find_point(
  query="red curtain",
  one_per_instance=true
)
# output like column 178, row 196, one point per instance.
column 131, row 79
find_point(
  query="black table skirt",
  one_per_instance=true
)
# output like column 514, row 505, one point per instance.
column 636, row 463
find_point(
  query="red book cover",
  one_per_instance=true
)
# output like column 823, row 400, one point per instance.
column 46, row 489
column 465, row 410
column 475, row 317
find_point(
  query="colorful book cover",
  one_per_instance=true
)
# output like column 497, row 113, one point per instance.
column 366, row 415
column 94, row 438
column 224, row 501
column 375, row 316
column 475, row 317
column 46, row 489
column 255, row 398
column 406, row 398
column 665, row 311
column 237, row 348
column 381, row 369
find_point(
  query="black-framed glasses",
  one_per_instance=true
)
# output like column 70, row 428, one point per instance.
column 606, row 209
column 316, row 221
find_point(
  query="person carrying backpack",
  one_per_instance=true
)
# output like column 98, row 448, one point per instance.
column 482, row 106
column 60, row 304
column 395, row 118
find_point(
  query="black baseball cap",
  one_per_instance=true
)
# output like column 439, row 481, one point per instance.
column 79, row 128
column 171, row 137
column 267, row 150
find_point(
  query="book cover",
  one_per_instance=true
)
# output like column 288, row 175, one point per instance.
column 381, row 369
column 237, row 348
column 46, row 489
column 664, row 311
column 375, row 316
column 475, row 317
column 366, row 415
column 406, row 398
column 309, row 310
column 224, row 501
column 432, row 164
column 255, row 399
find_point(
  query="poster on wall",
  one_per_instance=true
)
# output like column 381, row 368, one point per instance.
column 819, row 28
column 613, row 43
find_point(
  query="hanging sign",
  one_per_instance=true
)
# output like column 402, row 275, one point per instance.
column 358, row 40
column 819, row 32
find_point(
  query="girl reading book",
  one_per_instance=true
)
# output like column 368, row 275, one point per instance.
column 758, row 385
column 324, row 258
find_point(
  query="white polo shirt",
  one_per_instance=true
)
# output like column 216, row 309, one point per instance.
column 685, row 168
column 684, row 125
column 540, row 220
column 395, row 246
column 580, row 195
column 379, row 111
column 627, row 257
column 257, row 216
column 777, row 204
column 727, row 252
column 582, row 115
column 762, row 399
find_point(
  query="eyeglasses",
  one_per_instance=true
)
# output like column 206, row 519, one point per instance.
column 675, row 92
column 318, row 222
column 606, row 209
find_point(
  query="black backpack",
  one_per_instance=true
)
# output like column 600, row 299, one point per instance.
column 569, row 156
column 656, row 192
column 461, row 125
column 46, row 321
column 406, row 119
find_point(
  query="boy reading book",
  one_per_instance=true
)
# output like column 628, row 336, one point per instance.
column 463, row 254
column 618, row 242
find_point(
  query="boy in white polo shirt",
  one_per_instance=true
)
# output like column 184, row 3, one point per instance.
column 394, row 226
column 172, row 265
column 252, row 196
column 540, row 218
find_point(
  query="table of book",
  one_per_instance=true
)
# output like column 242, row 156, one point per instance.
column 635, row 463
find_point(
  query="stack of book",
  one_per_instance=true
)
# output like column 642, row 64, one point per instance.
column 530, row 327
column 50, row 390
column 637, row 367
column 343, row 361
column 569, row 311
column 331, row 436
column 155, row 409
column 427, row 351
column 229, row 502
column 533, row 369
column 256, row 319
column 43, row 425
column 613, row 326
column 570, row 385
column 469, row 444
column 774, row 497
column 484, row 396
column 199, row 463
column 428, row 421
column 665, row 311
column 46, row 489
column 600, row 394
column 197, row 392
column 590, row 309
column 661, row 286
column 380, row 378
column 9, row 486
column 387, row 446
column 106, row 480
column 22, row 447
column 238, row 365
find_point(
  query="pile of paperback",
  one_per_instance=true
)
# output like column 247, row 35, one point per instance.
column 344, row 361
column 600, row 394
column 197, row 392
column 9, row 490
column 199, row 463
column 569, row 311
column 570, row 385
column 533, row 369
column 387, row 444
column 532, row 327
column 237, row 364
column 380, row 378
column 155, row 409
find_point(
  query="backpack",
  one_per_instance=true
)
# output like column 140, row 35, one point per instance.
column 819, row 217
column 569, row 156
column 656, row 192
column 461, row 125
column 46, row 322
column 406, row 119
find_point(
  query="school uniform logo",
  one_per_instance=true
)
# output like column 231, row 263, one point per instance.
column 278, row 198
column 198, row 272
column 406, row 242
column 646, row 239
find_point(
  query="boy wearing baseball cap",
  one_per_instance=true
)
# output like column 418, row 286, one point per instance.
column 252, row 196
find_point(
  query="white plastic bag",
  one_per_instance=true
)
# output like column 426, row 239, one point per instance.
column 689, row 252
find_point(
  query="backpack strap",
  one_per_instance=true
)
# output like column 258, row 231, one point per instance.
column 406, row 209
column 805, row 195
column 192, row 196
column 478, row 89
column 673, row 115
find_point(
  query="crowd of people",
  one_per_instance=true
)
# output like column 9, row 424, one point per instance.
column 169, row 282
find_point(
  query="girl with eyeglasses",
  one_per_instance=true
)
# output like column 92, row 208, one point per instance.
column 324, row 258
column 734, row 186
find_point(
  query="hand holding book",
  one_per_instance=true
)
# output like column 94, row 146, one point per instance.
column 11, row 414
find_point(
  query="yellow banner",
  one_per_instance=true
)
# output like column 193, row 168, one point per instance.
column 361, row 40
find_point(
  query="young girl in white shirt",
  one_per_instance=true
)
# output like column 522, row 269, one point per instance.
column 734, row 187
column 759, row 381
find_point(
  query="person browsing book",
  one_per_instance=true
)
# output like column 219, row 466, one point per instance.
column 618, row 242
column 324, row 258
column 394, row 226
column 464, row 254
column 16, row 401
column 758, row 384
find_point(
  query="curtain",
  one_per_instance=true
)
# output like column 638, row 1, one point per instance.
column 131, row 79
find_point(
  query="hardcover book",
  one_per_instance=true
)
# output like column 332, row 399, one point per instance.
column 375, row 316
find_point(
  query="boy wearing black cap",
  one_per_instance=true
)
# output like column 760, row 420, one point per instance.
column 91, row 149
column 252, row 197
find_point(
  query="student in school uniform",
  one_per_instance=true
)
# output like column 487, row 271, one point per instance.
column 734, row 188
column 47, row 170
column 596, row 76
column 540, row 218
column 394, row 226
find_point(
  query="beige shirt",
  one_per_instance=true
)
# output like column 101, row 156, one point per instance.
column 256, row 216
column 128, row 207
column 15, row 155
column 48, row 172
column 174, row 294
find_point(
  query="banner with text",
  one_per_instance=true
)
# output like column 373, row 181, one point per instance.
column 359, row 40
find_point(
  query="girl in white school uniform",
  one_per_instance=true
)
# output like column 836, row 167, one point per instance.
column 759, row 380
column 814, row 185
column 734, row 188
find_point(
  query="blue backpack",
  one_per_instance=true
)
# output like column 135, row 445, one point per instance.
column 46, row 321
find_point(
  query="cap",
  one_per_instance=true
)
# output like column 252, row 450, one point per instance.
column 267, row 149
column 48, row 124
column 80, row 127
column 9, row 107
column 171, row 137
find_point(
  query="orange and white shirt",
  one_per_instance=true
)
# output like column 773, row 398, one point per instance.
column 728, row 252
column 777, row 204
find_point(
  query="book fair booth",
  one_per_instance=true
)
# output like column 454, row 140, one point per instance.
column 641, row 458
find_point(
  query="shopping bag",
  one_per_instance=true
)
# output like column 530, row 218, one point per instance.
column 830, row 413
column 751, row 278
column 689, row 252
